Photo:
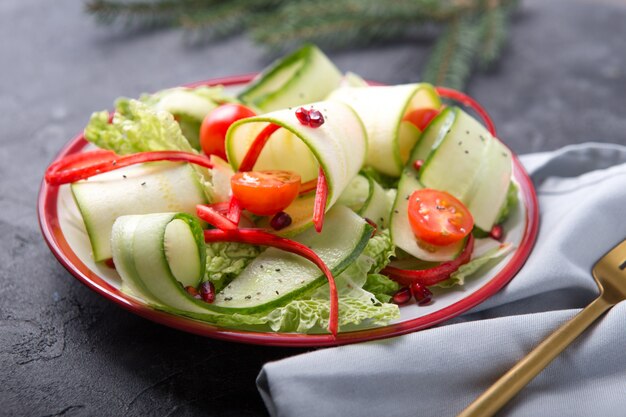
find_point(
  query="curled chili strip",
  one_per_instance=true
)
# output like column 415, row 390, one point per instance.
column 214, row 217
column 321, row 196
column 259, row 237
column 87, row 164
column 321, row 186
column 433, row 275
column 469, row 102
column 257, row 146
column 234, row 210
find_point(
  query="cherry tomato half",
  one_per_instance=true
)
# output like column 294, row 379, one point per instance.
column 421, row 118
column 438, row 218
column 265, row 192
column 216, row 123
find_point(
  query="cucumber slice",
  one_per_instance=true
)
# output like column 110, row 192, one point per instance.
column 382, row 108
column 456, row 158
column 491, row 186
column 304, row 76
column 368, row 199
column 338, row 146
column 140, row 253
column 141, row 189
column 276, row 277
column 469, row 163
column 157, row 254
column 402, row 233
column 188, row 105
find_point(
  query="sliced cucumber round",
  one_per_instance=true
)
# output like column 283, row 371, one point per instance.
column 304, row 76
column 147, row 188
column 339, row 146
column 158, row 254
column 382, row 109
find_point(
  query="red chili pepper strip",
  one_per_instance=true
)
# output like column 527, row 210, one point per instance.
column 321, row 195
column 433, row 275
column 469, row 102
column 214, row 217
column 257, row 146
column 234, row 210
column 258, row 237
column 84, row 165
column 307, row 187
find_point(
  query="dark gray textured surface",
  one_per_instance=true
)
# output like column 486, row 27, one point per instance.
column 66, row 351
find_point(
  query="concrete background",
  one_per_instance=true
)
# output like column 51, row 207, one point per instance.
column 65, row 350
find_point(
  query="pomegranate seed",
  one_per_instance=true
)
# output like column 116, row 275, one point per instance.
column 418, row 164
column 192, row 291
column 421, row 293
column 312, row 118
column 402, row 296
column 303, row 116
column 496, row 232
column 207, row 292
column 109, row 263
column 280, row 220
column 316, row 119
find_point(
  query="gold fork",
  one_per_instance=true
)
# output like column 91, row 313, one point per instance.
column 610, row 275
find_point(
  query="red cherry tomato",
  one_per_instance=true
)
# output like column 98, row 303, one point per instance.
column 265, row 192
column 421, row 118
column 216, row 123
column 438, row 218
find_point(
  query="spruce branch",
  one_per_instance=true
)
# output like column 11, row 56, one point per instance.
column 474, row 30
column 450, row 62
column 492, row 36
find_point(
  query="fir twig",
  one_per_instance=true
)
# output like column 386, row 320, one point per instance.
column 492, row 36
column 474, row 30
column 451, row 60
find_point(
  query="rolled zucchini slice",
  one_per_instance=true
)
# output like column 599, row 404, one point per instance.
column 304, row 76
column 338, row 146
column 368, row 199
column 142, row 189
column 382, row 109
column 159, row 254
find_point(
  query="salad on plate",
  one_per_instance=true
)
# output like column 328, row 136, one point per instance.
column 310, row 201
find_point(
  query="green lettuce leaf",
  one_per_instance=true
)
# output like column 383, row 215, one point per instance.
column 226, row 260
column 381, row 286
column 303, row 315
column 189, row 106
column 464, row 271
column 136, row 127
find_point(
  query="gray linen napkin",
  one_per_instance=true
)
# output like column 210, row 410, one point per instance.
column 437, row 372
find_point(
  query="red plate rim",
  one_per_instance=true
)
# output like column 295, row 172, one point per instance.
column 51, row 230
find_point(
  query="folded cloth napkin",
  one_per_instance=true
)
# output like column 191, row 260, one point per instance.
column 438, row 372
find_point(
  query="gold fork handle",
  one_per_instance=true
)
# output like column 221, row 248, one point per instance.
column 526, row 369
